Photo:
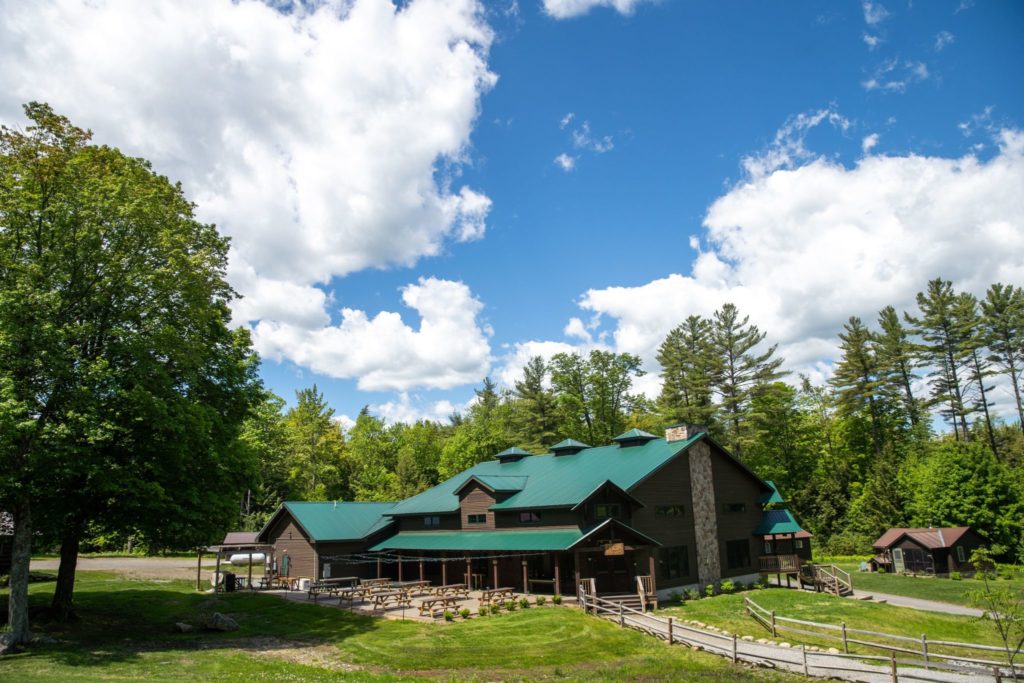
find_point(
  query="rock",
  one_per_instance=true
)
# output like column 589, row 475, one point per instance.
column 44, row 640
column 182, row 627
column 784, row 644
column 762, row 641
column 218, row 622
column 749, row 639
column 833, row 651
column 6, row 643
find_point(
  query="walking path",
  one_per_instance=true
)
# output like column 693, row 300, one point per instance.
column 919, row 603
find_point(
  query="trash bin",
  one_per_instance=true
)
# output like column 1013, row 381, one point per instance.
column 229, row 582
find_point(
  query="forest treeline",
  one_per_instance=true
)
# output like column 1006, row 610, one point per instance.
column 904, row 433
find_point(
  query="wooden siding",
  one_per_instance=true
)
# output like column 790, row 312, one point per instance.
column 670, row 486
column 604, row 496
column 548, row 518
column 287, row 538
column 339, row 568
column 475, row 500
column 734, row 485
column 449, row 522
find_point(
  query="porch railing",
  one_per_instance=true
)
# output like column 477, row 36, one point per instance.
column 778, row 564
column 645, row 589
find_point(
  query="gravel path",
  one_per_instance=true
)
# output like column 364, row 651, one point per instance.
column 919, row 603
column 137, row 567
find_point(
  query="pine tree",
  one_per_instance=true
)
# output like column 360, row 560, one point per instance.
column 856, row 377
column 1003, row 321
column 894, row 354
column 686, row 360
column 979, row 367
column 944, row 348
column 738, row 369
column 536, row 407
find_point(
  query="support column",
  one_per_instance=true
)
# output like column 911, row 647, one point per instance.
column 400, row 570
column 421, row 570
column 558, row 575
column 199, row 567
column 494, row 571
column 250, row 570
column 576, row 569
column 705, row 517
column 469, row 573
column 526, row 584
column 444, row 569
column 653, row 566
column 378, row 568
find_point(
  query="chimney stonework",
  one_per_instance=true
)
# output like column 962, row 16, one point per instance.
column 705, row 521
column 682, row 432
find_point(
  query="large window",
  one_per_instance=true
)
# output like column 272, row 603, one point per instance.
column 669, row 510
column 431, row 521
column 602, row 510
column 737, row 554
column 960, row 554
column 529, row 517
column 674, row 562
column 476, row 519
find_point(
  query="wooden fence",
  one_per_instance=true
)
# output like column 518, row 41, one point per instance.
column 855, row 667
column 932, row 653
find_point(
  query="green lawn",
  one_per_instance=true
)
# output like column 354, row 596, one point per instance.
column 726, row 612
column 125, row 633
column 927, row 587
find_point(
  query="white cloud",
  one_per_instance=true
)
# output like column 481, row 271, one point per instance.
column 565, row 162
column 894, row 75
column 801, row 249
column 324, row 141
column 788, row 147
column 566, row 120
column 869, row 142
column 874, row 12
column 943, row 39
column 872, row 41
column 514, row 361
column 410, row 410
column 582, row 138
column 566, row 9
column 449, row 348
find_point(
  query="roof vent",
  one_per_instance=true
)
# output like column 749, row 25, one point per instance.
column 569, row 447
column 512, row 455
column 634, row 437
column 683, row 432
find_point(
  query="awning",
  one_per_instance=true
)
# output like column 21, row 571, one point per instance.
column 533, row 539
column 777, row 522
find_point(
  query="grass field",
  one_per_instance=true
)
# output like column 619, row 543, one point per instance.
column 726, row 611
column 927, row 587
column 125, row 633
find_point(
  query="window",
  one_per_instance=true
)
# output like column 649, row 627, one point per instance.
column 669, row 511
column 799, row 543
column 734, row 507
column 529, row 517
column 767, row 547
column 602, row 510
column 432, row 521
column 674, row 563
column 960, row 554
column 737, row 554
column 476, row 519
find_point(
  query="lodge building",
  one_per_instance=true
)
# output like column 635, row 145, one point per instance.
column 678, row 511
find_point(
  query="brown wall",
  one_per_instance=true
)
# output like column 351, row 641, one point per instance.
column 669, row 486
column 415, row 523
column 475, row 500
column 548, row 518
column 734, row 485
column 340, row 568
column 286, row 537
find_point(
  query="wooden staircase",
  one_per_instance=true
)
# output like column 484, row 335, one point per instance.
column 630, row 600
column 827, row 579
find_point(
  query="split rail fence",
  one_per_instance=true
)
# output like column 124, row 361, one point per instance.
column 854, row 667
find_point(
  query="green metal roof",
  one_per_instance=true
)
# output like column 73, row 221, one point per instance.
column 554, row 481
column 500, row 482
column 773, row 497
column 777, row 522
column 513, row 453
column 338, row 521
column 533, row 539
column 634, row 435
column 570, row 445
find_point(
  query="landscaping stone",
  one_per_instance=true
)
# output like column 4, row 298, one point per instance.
column 218, row 622
column 182, row 627
column 762, row 641
column 833, row 651
column 749, row 639
column 6, row 643
column 44, row 640
column 784, row 644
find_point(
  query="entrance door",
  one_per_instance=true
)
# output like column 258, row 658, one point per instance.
column 612, row 574
column 897, row 560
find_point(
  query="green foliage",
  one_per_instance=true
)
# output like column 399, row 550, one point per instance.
column 1003, row 607
column 464, row 613
column 510, row 605
column 541, row 600
column 593, row 393
column 709, row 590
column 955, row 576
column 727, row 586
column 449, row 615
column 556, row 599
column 524, row 603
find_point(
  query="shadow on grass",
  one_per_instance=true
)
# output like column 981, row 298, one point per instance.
column 117, row 624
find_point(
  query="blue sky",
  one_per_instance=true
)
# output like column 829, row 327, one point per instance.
column 531, row 177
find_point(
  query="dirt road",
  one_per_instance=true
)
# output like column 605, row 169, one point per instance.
column 144, row 567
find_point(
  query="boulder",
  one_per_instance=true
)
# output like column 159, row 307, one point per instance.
column 182, row 627
column 762, row 641
column 784, row 644
column 833, row 651
column 6, row 643
column 749, row 639
column 216, row 621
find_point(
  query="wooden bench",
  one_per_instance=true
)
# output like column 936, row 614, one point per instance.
column 497, row 595
column 374, row 582
column 452, row 589
column 433, row 604
column 412, row 587
column 385, row 599
column 329, row 586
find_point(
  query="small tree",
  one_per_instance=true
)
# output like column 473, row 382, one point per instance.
column 1004, row 607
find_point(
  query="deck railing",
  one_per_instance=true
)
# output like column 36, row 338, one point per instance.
column 778, row 564
column 645, row 589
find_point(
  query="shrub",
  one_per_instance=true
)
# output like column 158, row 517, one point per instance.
column 709, row 590
column 484, row 610
column 740, row 586
column 464, row 613
column 524, row 603
column 881, row 570
column 726, row 586
column 541, row 600
column 955, row 576
column 693, row 594
column 510, row 605
column 496, row 608
column 556, row 599
column 448, row 616
column 676, row 596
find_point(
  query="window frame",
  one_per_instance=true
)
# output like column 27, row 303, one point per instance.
column 432, row 521
column 670, row 511
column 731, row 560
column 734, row 508
column 476, row 519
column 607, row 507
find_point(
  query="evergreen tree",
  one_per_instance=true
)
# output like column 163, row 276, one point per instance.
column 856, row 377
column 894, row 355
column 1003, row 321
column 979, row 367
column 686, row 359
column 536, row 407
column 316, row 467
column 738, row 368
column 372, row 454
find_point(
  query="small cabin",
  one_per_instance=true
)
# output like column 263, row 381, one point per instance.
column 932, row 550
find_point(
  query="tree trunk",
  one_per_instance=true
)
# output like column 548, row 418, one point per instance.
column 63, row 595
column 17, row 606
column 984, row 402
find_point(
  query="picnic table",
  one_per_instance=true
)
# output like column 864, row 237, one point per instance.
column 497, row 594
column 411, row 587
column 438, row 602
column 383, row 599
column 330, row 586
column 452, row 589
column 286, row 582
column 374, row 582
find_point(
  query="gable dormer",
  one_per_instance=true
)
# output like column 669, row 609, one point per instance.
column 634, row 437
column 569, row 447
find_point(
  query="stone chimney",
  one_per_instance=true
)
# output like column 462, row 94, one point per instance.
column 683, row 431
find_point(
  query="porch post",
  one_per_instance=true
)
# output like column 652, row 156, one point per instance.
column 444, row 569
column 250, row 569
column 378, row 567
column 651, row 566
column 558, row 576
column 400, row 569
column 576, row 568
column 216, row 575
column 469, row 574
column 421, row 570
column 526, row 585
column 494, row 570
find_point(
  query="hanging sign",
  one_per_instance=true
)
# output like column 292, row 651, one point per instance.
column 615, row 549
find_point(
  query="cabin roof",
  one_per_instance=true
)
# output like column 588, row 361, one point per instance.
column 334, row 521
column 942, row 537
column 240, row 537
column 777, row 522
column 771, row 497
